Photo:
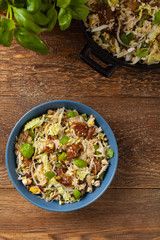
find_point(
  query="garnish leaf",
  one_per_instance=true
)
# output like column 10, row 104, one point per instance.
column 63, row 3
column 143, row 52
column 27, row 40
column 156, row 19
column 126, row 39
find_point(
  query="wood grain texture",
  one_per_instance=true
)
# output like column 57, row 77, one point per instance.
column 103, row 235
column 129, row 101
column 117, row 213
column 64, row 70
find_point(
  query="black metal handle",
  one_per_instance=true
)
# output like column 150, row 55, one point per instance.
column 105, row 71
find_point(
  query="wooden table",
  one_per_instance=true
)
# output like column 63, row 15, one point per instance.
column 129, row 101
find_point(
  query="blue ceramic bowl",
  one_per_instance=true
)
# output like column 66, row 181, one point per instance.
column 11, row 158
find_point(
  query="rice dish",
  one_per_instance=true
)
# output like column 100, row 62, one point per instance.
column 62, row 155
column 129, row 29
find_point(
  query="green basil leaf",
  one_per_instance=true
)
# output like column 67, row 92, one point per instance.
column 63, row 3
column 96, row 146
column 76, row 194
column 27, row 150
column 156, row 18
column 126, row 39
column 49, row 175
column 64, row 140
column 77, row 2
column 33, row 6
column 6, row 37
column 41, row 19
column 45, row 6
column 144, row 17
column 19, row 3
column 32, row 134
column 3, row 4
column 22, row 14
column 80, row 163
column 101, row 176
column 145, row 45
column 62, row 156
column 64, row 18
column 27, row 40
column 109, row 153
column 26, row 20
column 7, row 24
column 84, row 115
column 52, row 15
column 72, row 114
column 79, row 12
column 143, row 52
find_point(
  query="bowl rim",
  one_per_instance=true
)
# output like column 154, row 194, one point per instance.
column 73, row 208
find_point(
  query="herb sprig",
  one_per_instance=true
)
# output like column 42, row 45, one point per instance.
column 25, row 19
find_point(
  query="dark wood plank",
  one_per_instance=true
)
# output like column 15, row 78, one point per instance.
column 118, row 214
column 135, row 124
column 63, row 69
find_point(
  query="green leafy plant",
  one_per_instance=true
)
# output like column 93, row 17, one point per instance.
column 25, row 19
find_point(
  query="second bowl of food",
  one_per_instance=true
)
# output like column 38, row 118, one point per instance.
column 61, row 155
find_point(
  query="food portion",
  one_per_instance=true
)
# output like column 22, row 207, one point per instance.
column 61, row 155
column 128, row 29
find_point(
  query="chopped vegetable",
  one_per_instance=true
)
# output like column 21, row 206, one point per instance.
column 143, row 52
column 76, row 194
column 101, row 177
column 62, row 156
column 49, row 175
column 46, row 164
column 71, row 114
column 97, row 153
column 27, row 150
column 84, row 115
column 66, row 196
column 109, row 153
column 126, row 39
column 157, row 18
column 100, row 159
column 64, row 140
column 58, row 165
column 154, row 58
column 60, row 190
column 35, row 190
column 80, row 163
column 82, row 173
column 52, row 182
column 48, row 192
column 141, row 21
column 36, row 122
column 32, row 134
column 113, row 3
column 54, row 129
column 96, row 146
